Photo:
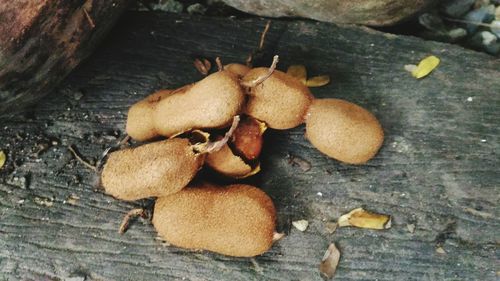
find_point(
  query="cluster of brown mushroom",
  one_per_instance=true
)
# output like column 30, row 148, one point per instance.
column 188, row 125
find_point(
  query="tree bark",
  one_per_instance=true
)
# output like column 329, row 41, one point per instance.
column 42, row 41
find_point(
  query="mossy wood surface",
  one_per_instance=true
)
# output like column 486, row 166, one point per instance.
column 437, row 172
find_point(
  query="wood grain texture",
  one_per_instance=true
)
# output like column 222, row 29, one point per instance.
column 437, row 170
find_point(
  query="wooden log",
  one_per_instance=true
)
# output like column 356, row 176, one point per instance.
column 42, row 41
column 436, row 174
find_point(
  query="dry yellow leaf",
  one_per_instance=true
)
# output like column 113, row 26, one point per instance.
column 2, row 158
column 329, row 262
column 364, row 219
column 298, row 71
column 318, row 81
column 425, row 67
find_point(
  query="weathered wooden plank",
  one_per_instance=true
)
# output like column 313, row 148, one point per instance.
column 437, row 170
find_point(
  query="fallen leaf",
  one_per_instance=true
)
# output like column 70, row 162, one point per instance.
column 43, row 202
column 425, row 67
column 440, row 250
column 2, row 158
column 364, row 219
column 411, row 228
column 298, row 71
column 202, row 67
column 72, row 199
column 330, row 227
column 329, row 262
column 301, row 224
column 318, row 81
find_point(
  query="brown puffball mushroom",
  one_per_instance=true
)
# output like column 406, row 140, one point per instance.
column 140, row 125
column 159, row 168
column 281, row 101
column 154, row 169
column 210, row 103
column 237, row 68
column 237, row 220
column 343, row 130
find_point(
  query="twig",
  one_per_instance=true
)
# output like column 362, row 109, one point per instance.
column 123, row 141
column 261, row 44
column 469, row 22
column 89, row 19
column 263, row 35
column 219, row 64
column 217, row 145
column 262, row 78
column 128, row 217
column 80, row 159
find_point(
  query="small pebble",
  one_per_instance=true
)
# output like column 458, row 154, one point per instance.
column 479, row 15
column 495, row 27
column 196, row 9
column 456, row 8
column 457, row 33
column 488, row 37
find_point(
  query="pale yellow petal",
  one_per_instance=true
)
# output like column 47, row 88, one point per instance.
column 425, row 67
column 318, row 81
column 364, row 219
column 3, row 158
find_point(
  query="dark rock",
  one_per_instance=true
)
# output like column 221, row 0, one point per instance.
column 42, row 41
column 456, row 8
column 369, row 12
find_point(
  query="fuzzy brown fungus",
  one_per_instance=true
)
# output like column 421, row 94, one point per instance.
column 237, row 220
column 343, row 130
column 209, row 103
column 155, row 169
column 281, row 101
column 140, row 124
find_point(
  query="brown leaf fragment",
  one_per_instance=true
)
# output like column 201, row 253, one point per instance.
column 364, row 219
column 318, row 81
column 329, row 262
column 330, row 227
column 202, row 67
